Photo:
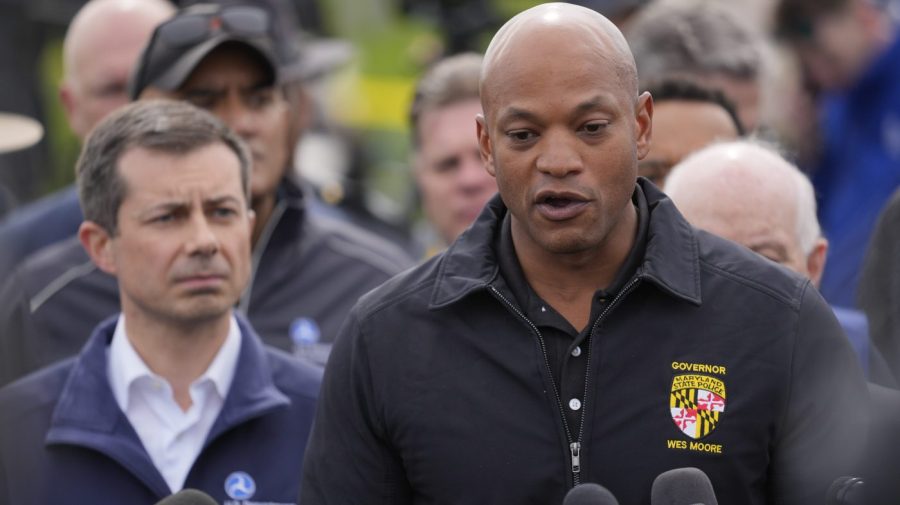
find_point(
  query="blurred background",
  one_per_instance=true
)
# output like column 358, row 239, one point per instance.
column 361, row 143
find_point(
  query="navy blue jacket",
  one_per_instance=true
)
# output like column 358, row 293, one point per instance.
column 439, row 388
column 64, row 440
column 37, row 225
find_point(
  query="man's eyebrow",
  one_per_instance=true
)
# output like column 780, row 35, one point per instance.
column 219, row 200
column 202, row 91
column 167, row 206
column 594, row 103
column 264, row 85
column 515, row 113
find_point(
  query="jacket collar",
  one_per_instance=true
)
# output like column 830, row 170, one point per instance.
column 87, row 414
column 671, row 261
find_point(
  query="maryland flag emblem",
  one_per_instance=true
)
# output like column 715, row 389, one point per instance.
column 696, row 403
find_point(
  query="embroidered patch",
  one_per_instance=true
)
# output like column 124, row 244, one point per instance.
column 696, row 403
column 240, row 486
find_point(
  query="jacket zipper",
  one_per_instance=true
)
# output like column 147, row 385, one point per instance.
column 574, row 444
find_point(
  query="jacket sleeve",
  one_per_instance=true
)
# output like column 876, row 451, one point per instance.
column 14, row 326
column 350, row 459
column 823, row 432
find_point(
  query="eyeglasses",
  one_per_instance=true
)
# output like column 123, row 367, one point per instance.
column 190, row 29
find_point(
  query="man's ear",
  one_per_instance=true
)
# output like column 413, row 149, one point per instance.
column 302, row 111
column 815, row 261
column 643, row 124
column 99, row 245
column 484, row 144
column 251, row 218
column 68, row 101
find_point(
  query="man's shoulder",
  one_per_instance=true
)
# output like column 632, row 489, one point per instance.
column 60, row 269
column 53, row 261
column 292, row 376
column 34, row 394
column 38, row 224
column 692, row 258
column 408, row 292
column 44, row 218
column 727, row 260
column 344, row 241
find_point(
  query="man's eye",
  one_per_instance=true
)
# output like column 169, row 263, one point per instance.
column 111, row 90
column 202, row 101
column 594, row 127
column 446, row 165
column 260, row 100
column 224, row 212
column 521, row 135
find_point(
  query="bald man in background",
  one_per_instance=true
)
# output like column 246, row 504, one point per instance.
column 581, row 330
column 102, row 45
column 747, row 192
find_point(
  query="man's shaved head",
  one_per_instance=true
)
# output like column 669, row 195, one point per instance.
column 585, row 30
column 562, row 130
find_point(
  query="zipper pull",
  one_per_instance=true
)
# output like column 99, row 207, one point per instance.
column 575, row 447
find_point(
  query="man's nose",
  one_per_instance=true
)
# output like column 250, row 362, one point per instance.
column 559, row 156
column 238, row 116
column 202, row 238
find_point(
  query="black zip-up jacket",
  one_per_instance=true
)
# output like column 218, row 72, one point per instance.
column 306, row 269
column 438, row 389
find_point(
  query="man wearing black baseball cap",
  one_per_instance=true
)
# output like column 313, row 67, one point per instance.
column 308, row 270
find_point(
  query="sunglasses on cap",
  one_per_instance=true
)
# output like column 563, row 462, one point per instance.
column 192, row 28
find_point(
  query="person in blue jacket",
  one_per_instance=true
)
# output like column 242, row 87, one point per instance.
column 176, row 391
column 850, row 52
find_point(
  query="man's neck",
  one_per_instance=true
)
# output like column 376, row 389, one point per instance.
column 568, row 281
column 178, row 353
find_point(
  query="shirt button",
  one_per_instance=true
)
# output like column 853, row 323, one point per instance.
column 574, row 404
column 543, row 309
column 576, row 351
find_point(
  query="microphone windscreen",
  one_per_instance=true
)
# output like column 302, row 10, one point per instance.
column 188, row 497
column 682, row 486
column 589, row 494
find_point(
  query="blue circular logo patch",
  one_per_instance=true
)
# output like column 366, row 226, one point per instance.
column 305, row 331
column 240, row 486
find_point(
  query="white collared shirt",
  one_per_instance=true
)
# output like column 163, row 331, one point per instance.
column 172, row 437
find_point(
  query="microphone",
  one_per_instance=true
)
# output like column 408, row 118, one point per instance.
column 188, row 497
column 846, row 491
column 683, row 486
column 589, row 494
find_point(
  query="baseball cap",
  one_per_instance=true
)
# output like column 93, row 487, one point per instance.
column 301, row 54
column 178, row 45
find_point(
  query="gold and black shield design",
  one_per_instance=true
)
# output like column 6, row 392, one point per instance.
column 697, row 403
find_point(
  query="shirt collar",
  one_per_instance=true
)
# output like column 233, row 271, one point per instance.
column 126, row 366
column 511, row 270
